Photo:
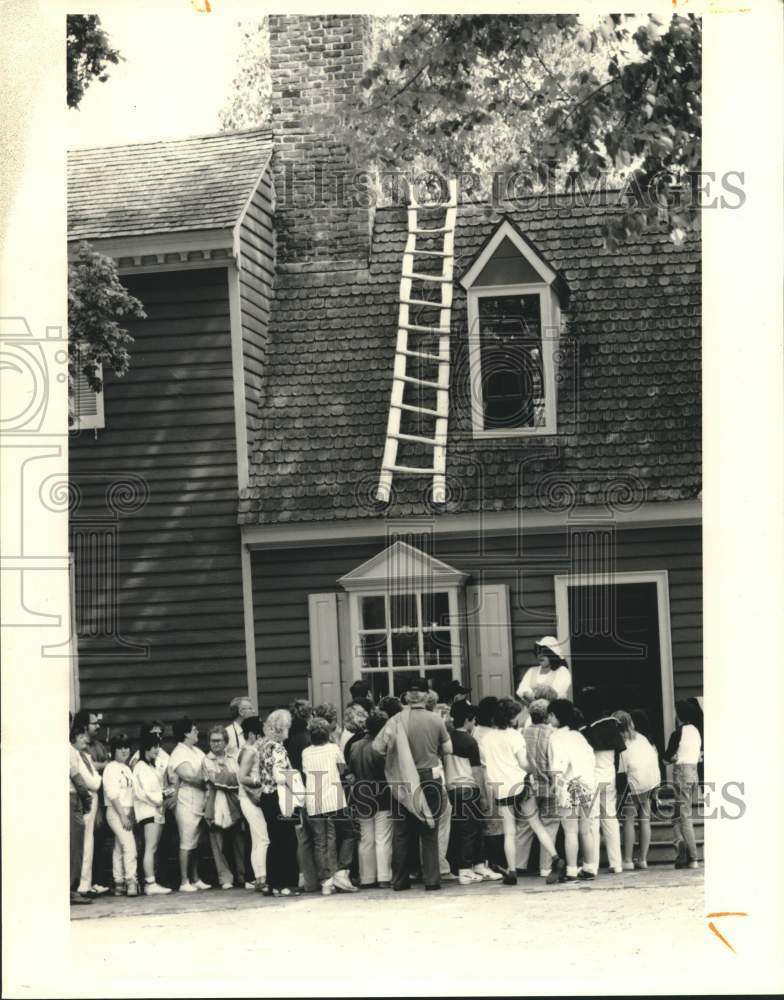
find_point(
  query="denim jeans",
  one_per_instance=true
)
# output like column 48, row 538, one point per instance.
column 685, row 782
column 333, row 839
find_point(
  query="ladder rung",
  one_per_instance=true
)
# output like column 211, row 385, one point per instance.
column 419, row 381
column 431, row 253
column 416, row 409
column 423, row 302
column 426, row 357
column 425, row 329
column 414, row 469
column 416, row 437
column 416, row 276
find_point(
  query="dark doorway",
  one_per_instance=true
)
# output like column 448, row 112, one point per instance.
column 614, row 636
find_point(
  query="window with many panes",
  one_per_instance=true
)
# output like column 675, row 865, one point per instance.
column 405, row 635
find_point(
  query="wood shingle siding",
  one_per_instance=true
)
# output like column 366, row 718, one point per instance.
column 282, row 581
column 170, row 422
column 257, row 253
column 628, row 376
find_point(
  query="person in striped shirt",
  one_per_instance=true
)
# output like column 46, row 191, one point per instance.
column 323, row 765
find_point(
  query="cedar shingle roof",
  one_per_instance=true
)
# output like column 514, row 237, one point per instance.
column 629, row 395
column 167, row 186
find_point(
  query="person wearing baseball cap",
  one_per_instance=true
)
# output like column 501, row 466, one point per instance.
column 550, row 669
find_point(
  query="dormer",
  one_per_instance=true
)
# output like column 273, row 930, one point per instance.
column 514, row 301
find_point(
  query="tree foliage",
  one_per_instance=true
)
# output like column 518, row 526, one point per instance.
column 617, row 98
column 88, row 55
column 98, row 308
column 249, row 101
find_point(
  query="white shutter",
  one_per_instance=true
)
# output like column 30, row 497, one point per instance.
column 489, row 640
column 87, row 404
column 324, row 649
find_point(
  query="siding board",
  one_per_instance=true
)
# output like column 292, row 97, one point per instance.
column 170, row 420
column 283, row 580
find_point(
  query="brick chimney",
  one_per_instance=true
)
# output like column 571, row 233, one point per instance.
column 316, row 64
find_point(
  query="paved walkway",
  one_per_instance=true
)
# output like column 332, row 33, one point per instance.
column 636, row 933
column 215, row 900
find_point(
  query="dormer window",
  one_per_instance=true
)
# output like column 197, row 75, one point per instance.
column 513, row 326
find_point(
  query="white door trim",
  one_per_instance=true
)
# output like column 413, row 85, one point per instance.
column 658, row 576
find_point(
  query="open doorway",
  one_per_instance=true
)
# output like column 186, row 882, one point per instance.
column 619, row 641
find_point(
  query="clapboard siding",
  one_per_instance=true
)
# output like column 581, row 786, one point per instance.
column 169, row 421
column 257, row 251
column 282, row 581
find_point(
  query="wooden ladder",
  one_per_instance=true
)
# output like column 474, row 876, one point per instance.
column 439, row 360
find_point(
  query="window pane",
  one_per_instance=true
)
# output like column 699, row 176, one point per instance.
column 437, row 646
column 373, row 613
column 405, row 649
column 373, row 650
column 404, row 612
column 439, row 679
column 379, row 684
column 435, row 609
column 402, row 678
column 511, row 359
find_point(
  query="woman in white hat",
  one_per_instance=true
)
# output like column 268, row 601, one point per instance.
column 550, row 670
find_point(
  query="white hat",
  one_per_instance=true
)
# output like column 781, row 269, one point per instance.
column 556, row 645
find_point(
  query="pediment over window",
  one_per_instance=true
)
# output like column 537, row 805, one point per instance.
column 402, row 566
column 508, row 257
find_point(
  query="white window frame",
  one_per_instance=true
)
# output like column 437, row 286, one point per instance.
column 91, row 421
column 456, row 639
column 415, row 573
column 550, row 319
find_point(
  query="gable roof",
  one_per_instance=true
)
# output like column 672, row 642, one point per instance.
column 629, row 395
column 167, row 186
column 507, row 230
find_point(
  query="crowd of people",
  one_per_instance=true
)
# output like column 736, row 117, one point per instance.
column 410, row 789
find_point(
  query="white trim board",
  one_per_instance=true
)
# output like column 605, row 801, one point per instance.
column 678, row 513
column 238, row 377
column 507, row 231
column 249, row 624
column 549, row 325
column 660, row 577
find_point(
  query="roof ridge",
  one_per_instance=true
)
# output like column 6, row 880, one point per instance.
column 509, row 206
column 259, row 129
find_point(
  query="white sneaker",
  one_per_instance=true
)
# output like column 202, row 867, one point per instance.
column 250, row 885
column 469, row 877
column 153, row 889
column 227, row 885
column 100, row 890
column 343, row 883
column 487, row 873
column 448, row 877
column 201, row 885
column 188, row 887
